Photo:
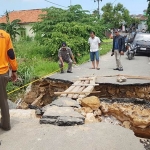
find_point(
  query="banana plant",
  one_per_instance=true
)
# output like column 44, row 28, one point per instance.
column 12, row 27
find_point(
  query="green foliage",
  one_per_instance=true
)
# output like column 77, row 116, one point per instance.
column 72, row 26
column 33, row 64
column 148, row 15
column 11, row 27
column 115, row 16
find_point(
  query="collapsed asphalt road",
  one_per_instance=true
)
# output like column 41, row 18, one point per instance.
column 27, row 133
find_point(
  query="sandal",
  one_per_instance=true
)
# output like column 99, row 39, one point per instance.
column 98, row 68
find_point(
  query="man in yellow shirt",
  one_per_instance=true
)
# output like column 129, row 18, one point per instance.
column 7, row 61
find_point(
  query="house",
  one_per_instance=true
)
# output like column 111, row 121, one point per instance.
column 27, row 17
column 143, row 21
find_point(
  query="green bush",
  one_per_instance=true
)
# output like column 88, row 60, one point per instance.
column 72, row 26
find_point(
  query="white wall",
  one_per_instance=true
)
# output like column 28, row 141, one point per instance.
column 142, row 26
column 28, row 30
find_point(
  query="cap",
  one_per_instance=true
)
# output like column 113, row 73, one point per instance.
column 64, row 44
column 115, row 30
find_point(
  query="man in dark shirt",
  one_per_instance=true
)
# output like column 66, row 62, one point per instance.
column 118, row 49
column 65, row 55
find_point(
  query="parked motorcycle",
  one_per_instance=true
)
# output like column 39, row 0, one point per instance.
column 131, row 51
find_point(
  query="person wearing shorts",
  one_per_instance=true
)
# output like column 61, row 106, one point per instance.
column 94, row 42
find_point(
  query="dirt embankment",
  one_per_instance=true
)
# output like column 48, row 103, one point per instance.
column 128, row 103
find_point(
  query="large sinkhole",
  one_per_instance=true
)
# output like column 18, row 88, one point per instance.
column 124, row 105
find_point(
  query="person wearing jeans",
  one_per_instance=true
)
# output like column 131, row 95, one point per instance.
column 118, row 49
column 94, row 42
column 7, row 61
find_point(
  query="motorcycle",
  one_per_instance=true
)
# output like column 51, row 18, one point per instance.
column 130, row 51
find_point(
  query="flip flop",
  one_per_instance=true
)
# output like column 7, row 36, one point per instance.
column 92, row 68
column 98, row 68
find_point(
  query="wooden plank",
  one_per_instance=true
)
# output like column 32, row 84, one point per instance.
column 89, row 89
column 136, row 77
column 70, row 89
column 75, row 96
column 86, row 85
column 37, row 100
column 84, row 79
column 93, row 81
column 59, row 93
column 128, row 77
column 75, row 89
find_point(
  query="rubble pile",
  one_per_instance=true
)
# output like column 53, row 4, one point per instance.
column 128, row 115
column 41, row 93
column 61, row 113
column 125, row 112
column 134, row 117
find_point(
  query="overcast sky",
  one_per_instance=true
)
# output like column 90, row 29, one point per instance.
column 134, row 6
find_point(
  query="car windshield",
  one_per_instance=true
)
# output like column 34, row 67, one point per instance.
column 142, row 37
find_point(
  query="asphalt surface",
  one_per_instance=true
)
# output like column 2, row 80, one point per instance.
column 28, row 134
column 139, row 66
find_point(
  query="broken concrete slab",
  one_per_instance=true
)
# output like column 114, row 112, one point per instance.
column 62, row 116
column 65, row 102
column 62, row 121
column 11, row 105
column 55, row 111
column 22, row 114
column 69, row 121
column 47, row 121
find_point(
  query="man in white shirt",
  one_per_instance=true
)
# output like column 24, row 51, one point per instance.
column 94, row 42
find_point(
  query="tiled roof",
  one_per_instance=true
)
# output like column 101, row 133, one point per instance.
column 140, row 17
column 143, row 18
column 26, row 16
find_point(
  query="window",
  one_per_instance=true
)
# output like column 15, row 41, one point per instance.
column 23, row 33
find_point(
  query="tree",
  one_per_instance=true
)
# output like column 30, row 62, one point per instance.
column 148, row 15
column 11, row 27
column 116, row 15
column 72, row 26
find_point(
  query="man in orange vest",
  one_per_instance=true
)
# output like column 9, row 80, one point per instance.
column 7, row 61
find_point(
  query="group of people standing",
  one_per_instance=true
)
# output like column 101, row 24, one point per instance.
column 8, row 61
column 65, row 54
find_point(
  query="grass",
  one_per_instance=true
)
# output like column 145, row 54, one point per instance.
column 34, row 63
column 107, row 40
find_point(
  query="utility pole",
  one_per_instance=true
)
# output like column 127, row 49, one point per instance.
column 70, row 3
column 98, row 9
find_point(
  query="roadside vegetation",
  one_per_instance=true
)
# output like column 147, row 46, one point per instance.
column 34, row 62
column 38, row 57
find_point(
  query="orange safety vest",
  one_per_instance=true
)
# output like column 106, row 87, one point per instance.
column 6, row 61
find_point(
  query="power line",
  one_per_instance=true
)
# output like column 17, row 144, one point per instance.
column 114, row 1
column 55, row 4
